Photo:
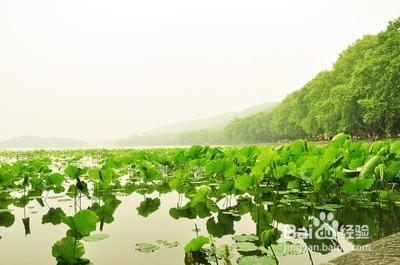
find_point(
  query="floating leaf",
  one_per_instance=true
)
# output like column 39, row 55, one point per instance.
column 244, row 238
column 329, row 207
column 146, row 247
column 287, row 249
column 245, row 246
column 256, row 260
column 95, row 237
column 173, row 244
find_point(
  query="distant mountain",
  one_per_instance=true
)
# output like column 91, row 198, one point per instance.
column 41, row 142
column 218, row 121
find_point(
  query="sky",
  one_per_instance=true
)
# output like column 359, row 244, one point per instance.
column 95, row 69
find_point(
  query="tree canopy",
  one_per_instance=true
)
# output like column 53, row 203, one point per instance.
column 360, row 96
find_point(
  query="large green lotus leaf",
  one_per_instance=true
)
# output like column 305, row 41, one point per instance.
column 395, row 147
column 339, row 139
column 298, row 147
column 293, row 184
column 94, row 173
column 196, row 244
column 83, row 222
column 356, row 163
column 200, row 195
column 230, row 169
column 6, row 177
column 69, row 220
column 72, row 171
column 224, row 167
column 375, row 147
column 392, row 170
column 106, row 175
column 176, row 182
column 370, row 166
column 357, row 185
column 68, row 250
column 148, row 206
column 55, row 179
column 243, row 182
column 151, row 173
column 256, row 260
column 263, row 162
column 226, row 186
column 269, row 236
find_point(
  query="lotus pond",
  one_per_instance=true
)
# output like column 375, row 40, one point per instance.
column 198, row 205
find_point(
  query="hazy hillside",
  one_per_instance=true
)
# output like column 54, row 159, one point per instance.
column 200, row 131
column 41, row 142
column 217, row 121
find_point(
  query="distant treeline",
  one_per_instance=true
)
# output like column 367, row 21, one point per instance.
column 359, row 96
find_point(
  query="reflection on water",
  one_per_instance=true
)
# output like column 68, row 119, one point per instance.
column 30, row 224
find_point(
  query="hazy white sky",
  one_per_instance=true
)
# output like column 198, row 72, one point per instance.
column 94, row 69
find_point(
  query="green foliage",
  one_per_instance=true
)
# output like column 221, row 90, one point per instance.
column 68, row 250
column 196, row 244
column 270, row 184
column 256, row 260
column 369, row 167
column 82, row 222
column 200, row 195
column 244, row 182
column 269, row 236
column 95, row 237
column 358, row 96
column 74, row 172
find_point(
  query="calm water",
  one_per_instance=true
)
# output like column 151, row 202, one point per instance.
column 25, row 239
